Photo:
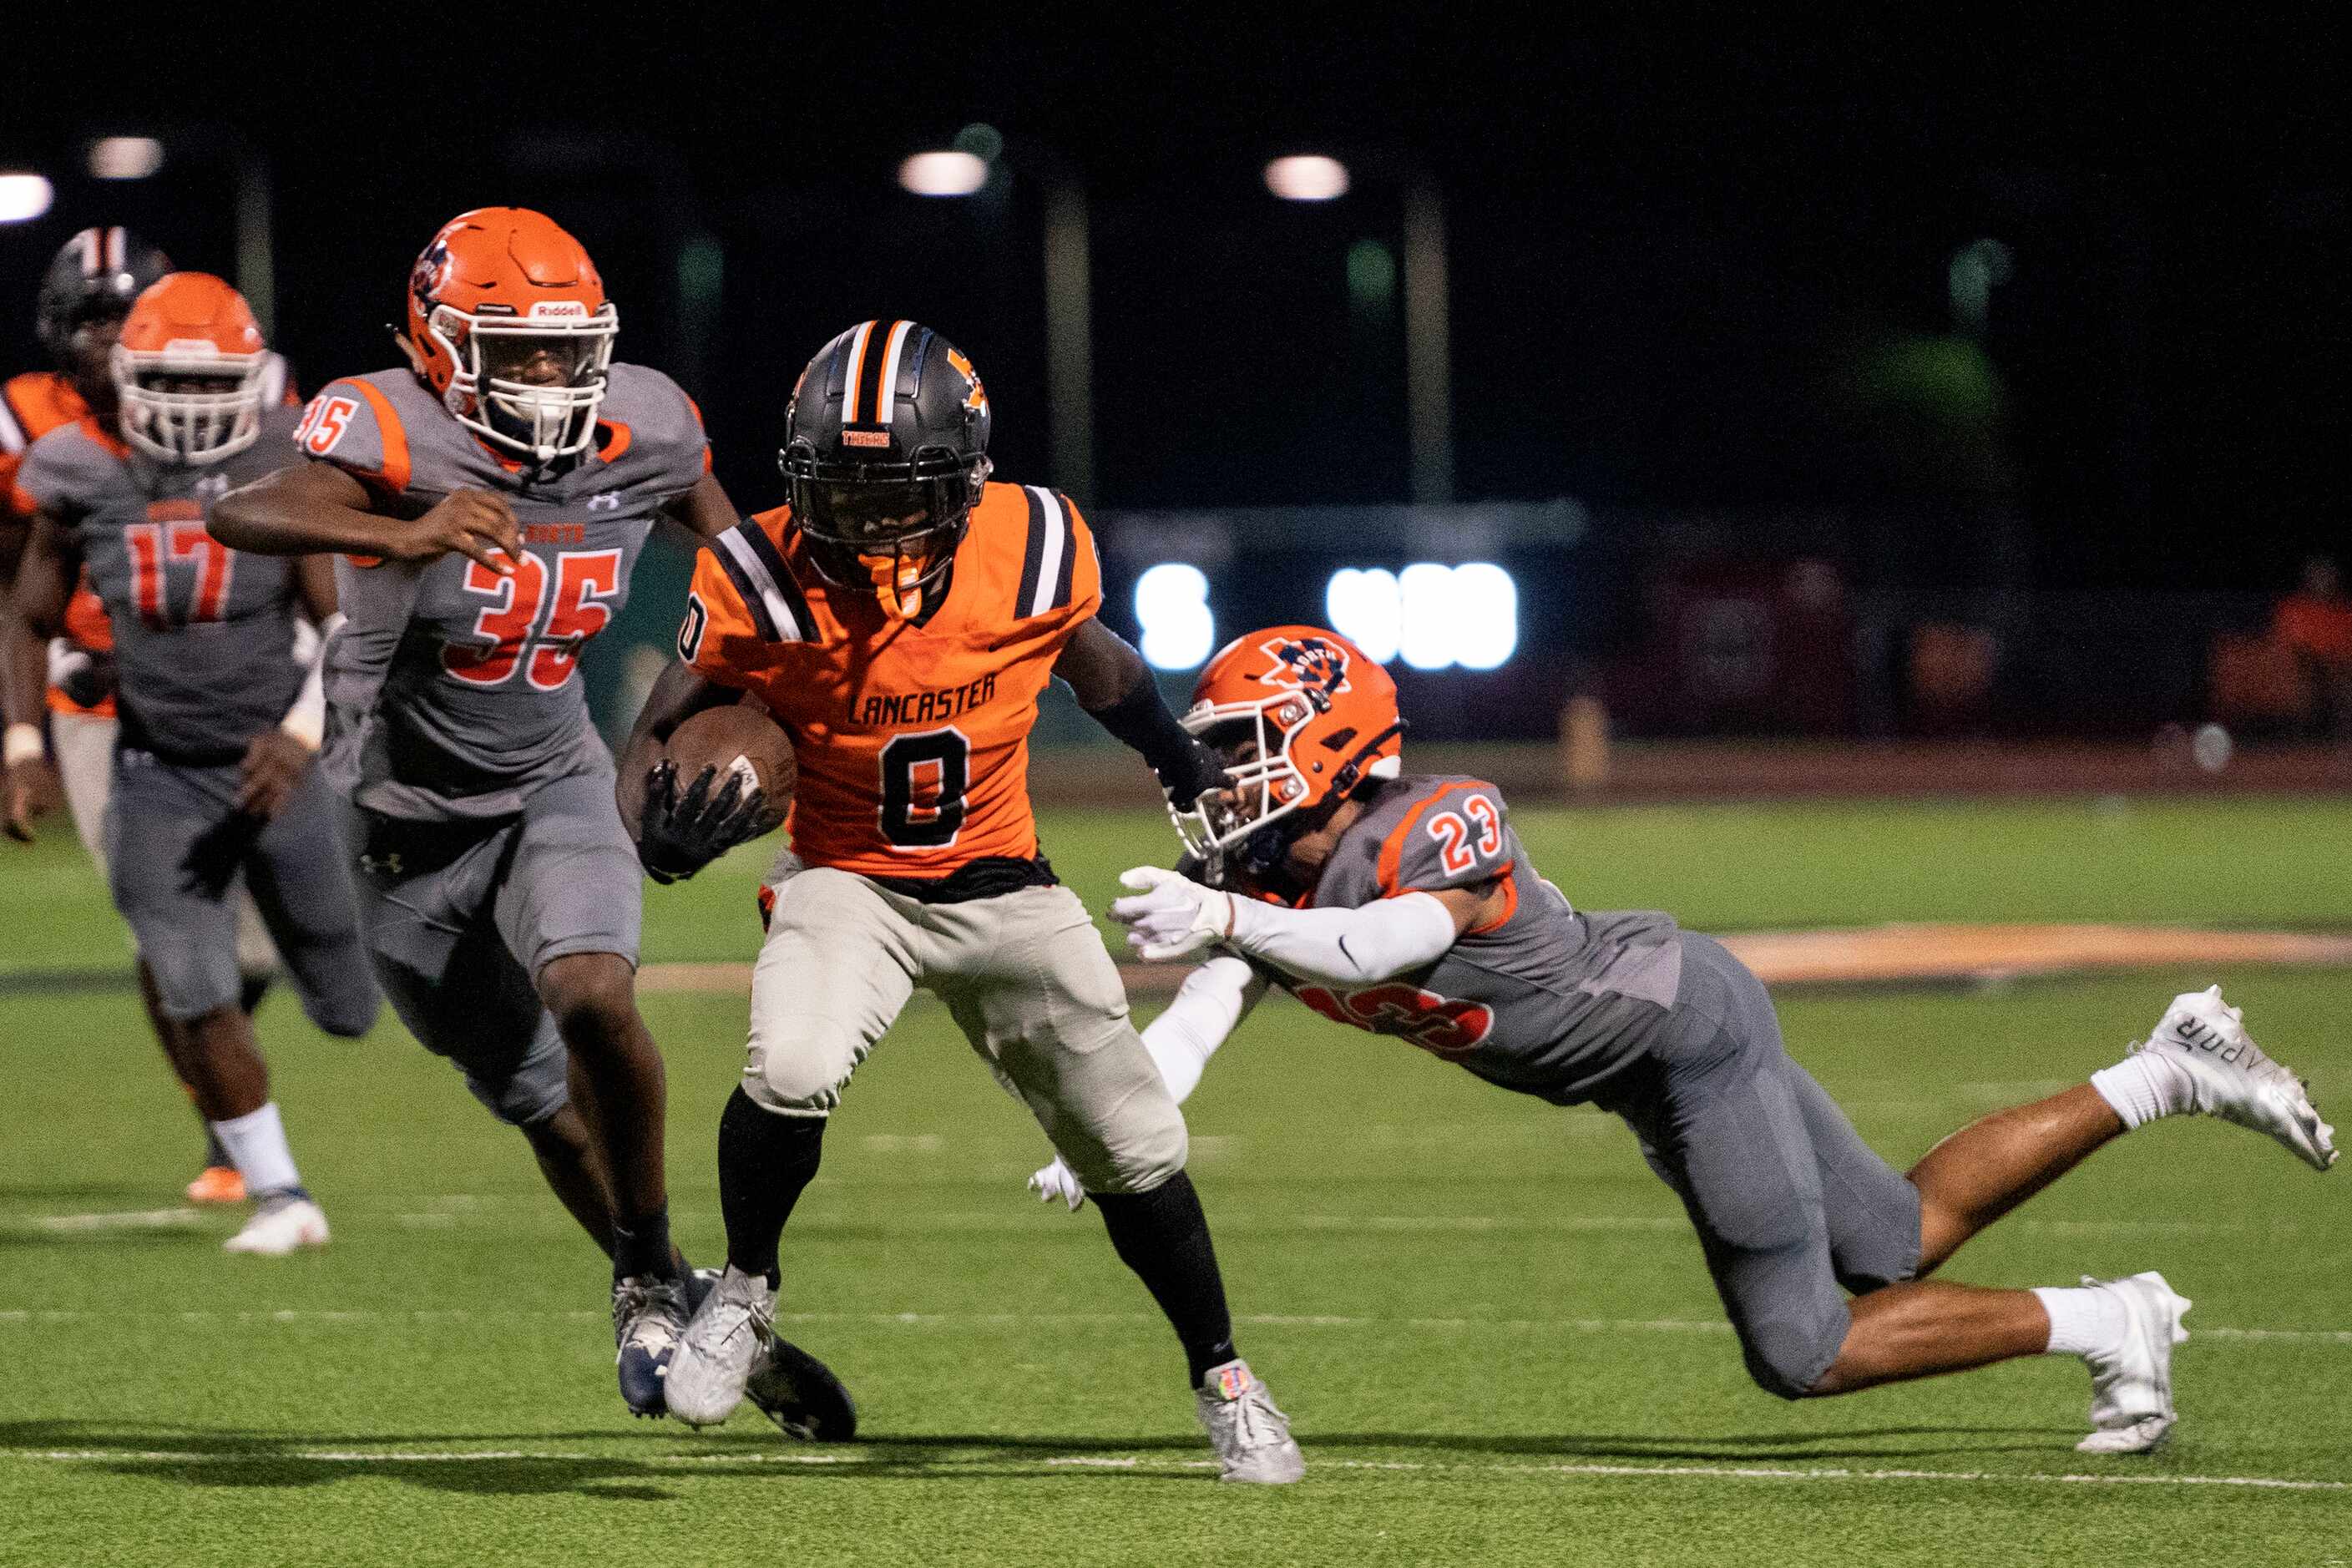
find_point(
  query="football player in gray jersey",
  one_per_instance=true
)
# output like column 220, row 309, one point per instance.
column 212, row 774
column 488, row 502
column 1408, row 906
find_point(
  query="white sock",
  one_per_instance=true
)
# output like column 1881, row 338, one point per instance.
column 2145, row 1086
column 2084, row 1321
column 256, row 1142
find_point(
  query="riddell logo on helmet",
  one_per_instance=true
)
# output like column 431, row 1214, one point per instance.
column 866, row 437
column 545, row 310
column 1305, row 663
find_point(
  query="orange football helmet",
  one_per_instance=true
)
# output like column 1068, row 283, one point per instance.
column 508, row 322
column 1300, row 717
column 188, row 370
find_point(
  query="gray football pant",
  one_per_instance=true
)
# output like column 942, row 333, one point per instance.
column 84, row 743
column 1024, row 975
column 1794, row 1210
column 460, row 916
column 177, row 850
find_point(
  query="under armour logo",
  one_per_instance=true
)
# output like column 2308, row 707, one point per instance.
column 380, row 864
column 604, row 500
column 211, row 487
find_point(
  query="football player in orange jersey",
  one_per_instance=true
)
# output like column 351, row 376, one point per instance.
column 84, row 299
column 900, row 618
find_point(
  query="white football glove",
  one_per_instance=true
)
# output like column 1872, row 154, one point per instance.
column 1170, row 917
column 1058, row 1180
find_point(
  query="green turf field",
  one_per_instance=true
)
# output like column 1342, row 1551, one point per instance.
column 1487, row 1321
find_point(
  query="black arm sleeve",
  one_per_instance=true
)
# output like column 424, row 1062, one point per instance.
column 1141, row 720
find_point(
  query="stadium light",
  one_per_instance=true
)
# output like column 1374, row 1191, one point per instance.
column 125, row 157
column 1433, row 616
column 1171, row 606
column 944, row 173
column 24, row 197
column 1307, row 177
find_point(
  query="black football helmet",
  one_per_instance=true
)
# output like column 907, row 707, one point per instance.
column 96, row 276
column 885, row 450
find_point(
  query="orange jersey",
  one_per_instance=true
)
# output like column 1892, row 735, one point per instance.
column 31, row 405
column 912, row 735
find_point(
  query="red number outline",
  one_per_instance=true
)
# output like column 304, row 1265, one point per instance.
column 587, row 583
column 1481, row 810
column 154, row 545
column 530, row 629
column 1438, row 1024
column 1455, row 854
column 323, row 424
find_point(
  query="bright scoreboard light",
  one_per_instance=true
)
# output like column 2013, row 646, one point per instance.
column 1430, row 615
column 1171, row 606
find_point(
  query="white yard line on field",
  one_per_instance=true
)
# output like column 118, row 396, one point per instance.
column 883, row 1455
column 296, row 1316
column 135, row 1219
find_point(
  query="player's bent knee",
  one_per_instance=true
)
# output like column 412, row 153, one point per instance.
column 593, row 996
column 1142, row 1147
column 527, row 1098
column 1787, row 1360
column 798, row 1067
column 345, row 1017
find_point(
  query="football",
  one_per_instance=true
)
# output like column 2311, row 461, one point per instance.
column 740, row 735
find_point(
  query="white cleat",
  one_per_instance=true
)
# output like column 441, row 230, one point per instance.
column 280, row 1225
column 2207, row 1038
column 720, row 1349
column 1251, row 1436
column 2131, row 1385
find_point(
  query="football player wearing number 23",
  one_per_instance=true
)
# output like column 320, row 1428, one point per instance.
column 1407, row 906
column 900, row 618
column 488, row 500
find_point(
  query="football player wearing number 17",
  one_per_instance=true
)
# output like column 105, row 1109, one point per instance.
column 488, row 499
column 900, row 617
column 212, row 779
column 1407, row 906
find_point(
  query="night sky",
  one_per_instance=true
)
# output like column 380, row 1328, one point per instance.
column 1689, row 272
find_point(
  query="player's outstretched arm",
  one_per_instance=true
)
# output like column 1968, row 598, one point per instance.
column 1208, row 1006
column 32, row 611
column 1115, row 687
column 316, row 508
column 1171, row 917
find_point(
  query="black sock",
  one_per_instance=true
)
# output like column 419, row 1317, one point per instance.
column 214, row 1152
column 641, row 1246
column 764, row 1161
column 1163, row 1235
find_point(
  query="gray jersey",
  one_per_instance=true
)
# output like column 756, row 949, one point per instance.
column 1547, row 1000
column 453, row 691
column 204, row 635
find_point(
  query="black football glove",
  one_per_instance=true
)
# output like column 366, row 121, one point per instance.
column 86, row 678
column 679, row 834
column 1190, row 773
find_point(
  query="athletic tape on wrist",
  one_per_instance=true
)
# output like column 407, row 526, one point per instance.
column 24, row 744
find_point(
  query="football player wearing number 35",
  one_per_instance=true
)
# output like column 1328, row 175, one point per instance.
column 1407, row 906
column 488, row 500
column 212, row 779
column 900, row 617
